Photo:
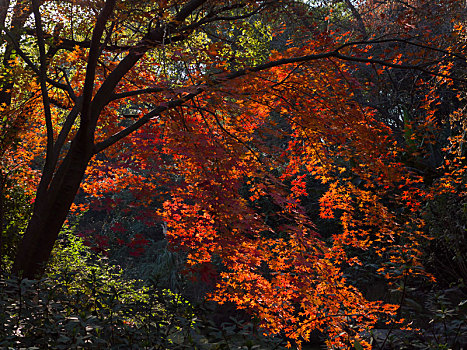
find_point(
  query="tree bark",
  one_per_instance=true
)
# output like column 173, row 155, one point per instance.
column 50, row 211
column 2, row 216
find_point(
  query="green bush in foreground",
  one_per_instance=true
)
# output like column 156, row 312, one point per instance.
column 86, row 303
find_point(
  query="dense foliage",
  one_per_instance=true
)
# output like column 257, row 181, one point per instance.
column 299, row 163
column 83, row 302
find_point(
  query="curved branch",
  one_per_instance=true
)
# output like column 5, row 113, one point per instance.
column 218, row 79
column 405, row 41
column 152, row 39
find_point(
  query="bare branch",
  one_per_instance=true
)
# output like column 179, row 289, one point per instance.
column 29, row 63
column 358, row 17
column 117, row 96
column 99, row 147
column 94, row 53
column 64, row 132
column 43, row 83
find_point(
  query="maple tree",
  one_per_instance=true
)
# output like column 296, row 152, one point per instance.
column 187, row 94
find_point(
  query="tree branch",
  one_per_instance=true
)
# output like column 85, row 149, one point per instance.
column 100, row 146
column 94, row 53
column 118, row 96
column 358, row 17
column 404, row 41
column 29, row 62
column 70, row 90
column 70, row 44
column 188, row 9
column 152, row 39
column 58, row 103
column 43, row 79
column 218, row 79
column 209, row 18
column 64, row 132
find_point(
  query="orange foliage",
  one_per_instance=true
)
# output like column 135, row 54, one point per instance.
column 263, row 133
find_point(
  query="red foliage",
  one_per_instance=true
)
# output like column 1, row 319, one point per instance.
column 229, row 126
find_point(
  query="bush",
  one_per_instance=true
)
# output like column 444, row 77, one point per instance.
column 84, row 302
column 446, row 255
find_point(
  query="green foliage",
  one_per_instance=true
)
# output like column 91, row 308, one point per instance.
column 441, row 324
column 448, row 324
column 250, row 41
column 446, row 254
column 161, row 265
column 16, row 212
column 84, row 302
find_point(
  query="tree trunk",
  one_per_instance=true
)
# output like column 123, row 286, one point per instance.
column 2, row 216
column 50, row 211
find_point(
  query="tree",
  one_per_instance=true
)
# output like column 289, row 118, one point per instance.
column 165, row 76
column 19, row 141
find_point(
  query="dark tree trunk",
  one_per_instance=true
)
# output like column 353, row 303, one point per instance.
column 58, row 188
column 2, row 216
column 50, row 211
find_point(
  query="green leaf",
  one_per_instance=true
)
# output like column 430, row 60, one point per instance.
column 357, row 345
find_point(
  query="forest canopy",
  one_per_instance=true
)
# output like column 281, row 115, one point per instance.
column 291, row 154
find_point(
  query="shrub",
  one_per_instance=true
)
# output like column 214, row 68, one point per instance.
column 84, row 302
